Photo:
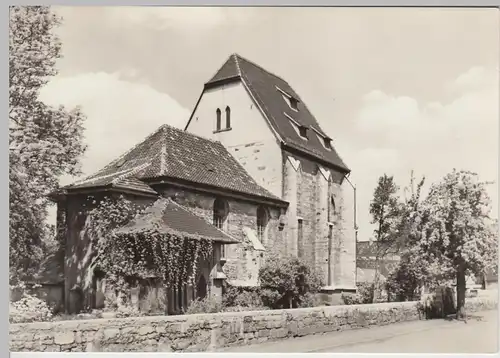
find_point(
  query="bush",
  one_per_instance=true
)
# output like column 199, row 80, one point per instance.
column 364, row 295
column 29, row 309
column 311, row 300
column 286, row 281
column 234, row 296
column 365, row 292
column 351, row 298
column 208, row 304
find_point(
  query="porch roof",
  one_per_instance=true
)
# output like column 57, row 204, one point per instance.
column 168, row 217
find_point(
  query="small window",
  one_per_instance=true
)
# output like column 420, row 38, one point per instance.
column 328, row 143
column 303, row 132
column 228, row 117
column 262, row 220
column 218, row 124
column 292, row 101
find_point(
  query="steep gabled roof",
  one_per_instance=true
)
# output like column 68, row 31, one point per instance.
column 178, row 155
column 268, row 90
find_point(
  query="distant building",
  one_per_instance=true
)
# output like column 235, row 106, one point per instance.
column 367, row 253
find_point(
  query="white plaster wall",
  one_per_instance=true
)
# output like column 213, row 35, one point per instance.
column 250, row 139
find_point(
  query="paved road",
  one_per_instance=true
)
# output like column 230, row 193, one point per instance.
column 478, row 335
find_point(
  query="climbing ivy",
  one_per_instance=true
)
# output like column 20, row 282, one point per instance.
column 152, row 252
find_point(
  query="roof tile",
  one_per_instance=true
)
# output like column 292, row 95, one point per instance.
column 167, row 216
column 174, row 153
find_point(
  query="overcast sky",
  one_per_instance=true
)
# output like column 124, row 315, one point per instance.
column 396, row 89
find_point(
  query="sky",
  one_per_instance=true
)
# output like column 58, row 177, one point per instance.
column 398, row 89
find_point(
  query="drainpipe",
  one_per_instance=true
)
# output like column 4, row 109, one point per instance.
column 355, row 229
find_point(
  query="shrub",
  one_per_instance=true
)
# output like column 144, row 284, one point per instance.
column 29, row 309
column 351, row 298
column 241, row 296
column 208, row 304
column 285, row 281
column 364, row 295
column 365, row 292
column 311, row 300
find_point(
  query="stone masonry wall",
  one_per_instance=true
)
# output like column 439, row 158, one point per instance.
column 207, row 332
column 309, row 189
column 306, row 209
column 242, row 261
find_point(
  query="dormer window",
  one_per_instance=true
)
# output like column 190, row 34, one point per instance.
column 327, row 142
column 291, row 100
column 303, row 132
column 299, row 128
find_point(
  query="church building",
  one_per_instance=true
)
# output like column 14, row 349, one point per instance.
column 252, row 170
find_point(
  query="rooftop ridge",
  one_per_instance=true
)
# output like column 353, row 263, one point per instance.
column 189, row 133
column 235, row 56
column 121, row 157
column 260, row 67
column 163, row 156
column 131, row 172
column 95, row 177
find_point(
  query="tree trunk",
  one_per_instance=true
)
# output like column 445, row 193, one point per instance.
column 376, row 280
column 461, row 292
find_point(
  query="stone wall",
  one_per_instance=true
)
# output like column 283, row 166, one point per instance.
column 243, row 261
column 206, row 332
column 319, row 197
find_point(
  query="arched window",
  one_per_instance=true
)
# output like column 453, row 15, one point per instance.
column 220, row 213
column 331, row 209
column 218, row 124
column 262, row 220
column 228, row 117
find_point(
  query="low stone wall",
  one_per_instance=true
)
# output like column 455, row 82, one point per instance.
column 205, row 332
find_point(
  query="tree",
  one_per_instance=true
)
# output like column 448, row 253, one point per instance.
column 385, row 211
column 44, row 142
column 412, row 272
column 454, row 228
